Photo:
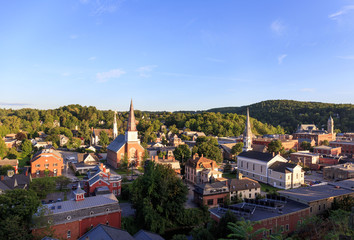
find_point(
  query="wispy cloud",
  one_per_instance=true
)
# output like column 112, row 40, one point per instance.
column 146, row 70
column 65, row 74
column 73, row 36
column 281, row 58
column 14, row 104
column 350, row 57
column 307, row 90
column 91, row 58
column 277, row 27
column 343, row 11
column 105, row 76
column 214, row 60
column 102, row 6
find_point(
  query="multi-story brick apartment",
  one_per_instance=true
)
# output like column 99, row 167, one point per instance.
column 101, row 180
column 243, row 188
column 126, row 146
column 201, row 170
column 319, row 197
column 211, row 194
column 347, row 146
column 339, row 172
column 327, row 150
column 46, row 162
column 287, row 144
column 273, row 170
column 273, row 213
column 306, row 158
column 73, row 218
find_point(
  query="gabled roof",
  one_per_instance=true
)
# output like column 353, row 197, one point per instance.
column 17, row 181
column 104, row 232
column 117, row 143
column 81, row 157
column 242, row 184
column 282, row 167
column 145, row 235
column 266, row 157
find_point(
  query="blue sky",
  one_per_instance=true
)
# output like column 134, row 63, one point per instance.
column 174, row 55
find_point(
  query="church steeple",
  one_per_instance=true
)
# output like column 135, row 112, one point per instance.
column 115, row 128
column 247, row 134
column 131, row 134
column 131, row 118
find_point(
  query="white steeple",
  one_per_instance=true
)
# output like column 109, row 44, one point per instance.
column 131, row 134
column 247, row 134
column 115, row 128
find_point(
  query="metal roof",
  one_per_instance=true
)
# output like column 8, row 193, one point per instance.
column 117, row 143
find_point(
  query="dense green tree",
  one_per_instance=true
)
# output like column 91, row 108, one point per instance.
column 26, row 147
column 275, row 146
column 18, row 202
column 221, row 229
column 104, row 140
column 158, row 197
column 179, row 237
column 43, row 186
column 20, row 136
column 243, row 230
column 14, row 228
column 182, row 153
column 201, row 233
column 305, row 145
column 325, row 143
column 62, row 181
column 3, row 148
column 5, row 168
column 237, row 148
column 208, row 147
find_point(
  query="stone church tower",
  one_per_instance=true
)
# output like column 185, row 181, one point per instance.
column 330, row 125
column 247, row 134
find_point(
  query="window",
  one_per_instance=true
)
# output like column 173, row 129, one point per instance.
column 38, row 165
column 324, row 206
column 287, row 227
column 210, row 201
column 282, row 228
column 68, row 234
column 249, row 195
column 297, row 175
column 247, row 166
column 270, row 171
column 114, row 184
column 270, row 231
column 46, row 165
column 115, row 192
column 288, row 177
column 107, row 209
column 220, row 200
column 310, row 209
column 107, row 223
column 68, row 217
column 55, row 164
column 299, row 222
column 241, row 164
column 253, row 167
column 319, row 207
column 91, row 213
column 261, row 168
column 37, row 172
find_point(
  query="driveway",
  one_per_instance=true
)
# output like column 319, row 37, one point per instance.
column 190, row 197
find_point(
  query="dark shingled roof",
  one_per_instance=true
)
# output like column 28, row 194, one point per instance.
column 257, row 155
column 104, row 232
column 117, row 143
column 145, row 235
column 242, row 184
column 282, row 166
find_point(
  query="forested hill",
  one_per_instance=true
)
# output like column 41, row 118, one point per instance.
column 289, row 113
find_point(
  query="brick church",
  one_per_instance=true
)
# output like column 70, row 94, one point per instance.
column 127, row 145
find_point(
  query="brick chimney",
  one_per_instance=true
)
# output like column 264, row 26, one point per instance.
column 152, row 158
column 163, row 157
column 156, row 158
column 2, row 177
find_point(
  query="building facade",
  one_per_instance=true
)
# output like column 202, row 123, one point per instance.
column 47, row 162
column 126, row 146
column 201, row 170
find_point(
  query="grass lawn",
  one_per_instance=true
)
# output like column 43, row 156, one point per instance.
column 123, row 171
column 22, row 161
column 229, row 175
column 266, row 186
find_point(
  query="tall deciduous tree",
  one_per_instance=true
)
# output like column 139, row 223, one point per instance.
column 158, row 197
column 26, row 147
column 275, row 146
column 208, row 147
column 237, row 148
column 104, row 140
column 182, row 153
column 3, row 148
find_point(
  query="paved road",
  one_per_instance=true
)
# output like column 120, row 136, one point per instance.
column 190, row 197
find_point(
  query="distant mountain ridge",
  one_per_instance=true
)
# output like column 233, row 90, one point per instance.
column 289, row 113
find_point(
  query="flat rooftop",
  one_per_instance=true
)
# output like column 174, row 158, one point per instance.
column 314, row 193
column 261, row 213
column 347, row 184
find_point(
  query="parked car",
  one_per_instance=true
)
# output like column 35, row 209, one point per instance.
column 59, row 200
column 50, row 201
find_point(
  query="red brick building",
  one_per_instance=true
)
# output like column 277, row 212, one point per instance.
column 287, row 144
column 72, row 219
column 305, row 157
column 275, row 215
column 211, row 194
column 126, row 146
column 46, row 162
column 327, row 150
column 347, row 146
column 101, row 181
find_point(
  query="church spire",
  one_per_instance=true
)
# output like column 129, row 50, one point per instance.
column 115, row 128
column 131, row 118
column 247, row 134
